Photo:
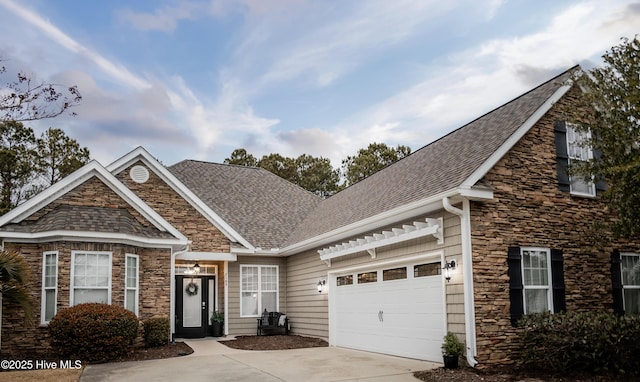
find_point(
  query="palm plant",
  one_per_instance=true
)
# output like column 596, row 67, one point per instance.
column 15, row 280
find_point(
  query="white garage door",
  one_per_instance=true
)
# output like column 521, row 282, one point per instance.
column 397, row 310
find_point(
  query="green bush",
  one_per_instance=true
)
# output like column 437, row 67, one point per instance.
column 156, row 332
column 93, row 332
column 595, row 342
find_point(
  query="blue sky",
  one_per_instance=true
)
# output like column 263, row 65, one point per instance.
column 197, row 79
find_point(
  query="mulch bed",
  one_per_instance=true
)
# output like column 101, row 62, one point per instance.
column 277, row 342
column 465, row 374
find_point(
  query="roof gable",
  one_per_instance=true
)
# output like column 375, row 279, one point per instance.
column 88, row 219
column 140, row 154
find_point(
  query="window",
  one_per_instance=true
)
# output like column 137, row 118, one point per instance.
column 630, row 266
column 344, row 280
column 394, row 274
column 536, row 281
column 430, row 269
column 367, row 277
column 258, row 289
column 49, row 285
column 131, row 284
column 579, row 151
column 536, row 275
column 90, row 277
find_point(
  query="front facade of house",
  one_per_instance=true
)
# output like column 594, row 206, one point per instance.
column 465, row 235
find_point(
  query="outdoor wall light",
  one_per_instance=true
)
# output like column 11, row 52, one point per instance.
column 196, row 267
column 448, row 266
column 321, row 285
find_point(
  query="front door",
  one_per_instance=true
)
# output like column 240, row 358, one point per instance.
column 195, row 299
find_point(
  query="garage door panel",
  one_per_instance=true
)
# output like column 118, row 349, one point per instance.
column 411, row 323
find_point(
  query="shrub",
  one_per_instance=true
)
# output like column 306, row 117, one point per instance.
column 156, row 332
column 93, row 332
column 595, row 342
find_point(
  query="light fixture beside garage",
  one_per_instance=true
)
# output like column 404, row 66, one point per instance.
column 448, row 266
column 320, row 285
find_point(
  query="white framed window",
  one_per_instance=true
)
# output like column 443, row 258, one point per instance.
column 131, row 282
column 258, row 289
column 49, row 286
column 579, row 151
column 536, row 280
column 90, row 277
column 630, row 267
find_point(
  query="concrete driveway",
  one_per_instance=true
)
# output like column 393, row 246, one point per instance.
column 214, row 361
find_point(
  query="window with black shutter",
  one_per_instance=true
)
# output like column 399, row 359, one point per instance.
column 570, row 147
column 536, row 281
column 625, row 279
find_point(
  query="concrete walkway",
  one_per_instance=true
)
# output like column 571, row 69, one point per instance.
column 214, row 361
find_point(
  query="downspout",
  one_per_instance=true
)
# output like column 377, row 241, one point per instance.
column 467, row 272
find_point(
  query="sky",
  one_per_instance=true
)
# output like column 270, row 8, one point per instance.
column 196, row 79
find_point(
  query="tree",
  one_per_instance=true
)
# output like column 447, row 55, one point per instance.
column 15, row 281
column 241, row 158
column 59, row 155
column 612, row 93
column 311, row 173
column 370, row 160
column 17, row 161
column 317, row 175
column 284, row 167
column 22, row 100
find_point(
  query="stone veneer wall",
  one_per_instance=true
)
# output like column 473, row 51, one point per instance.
column 528, row 209
column 176, row 210
column 154, row 289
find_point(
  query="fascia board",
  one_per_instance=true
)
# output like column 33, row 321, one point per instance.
column 141, row 154
column 487, row 165
column 395, row 215
column 105, row 237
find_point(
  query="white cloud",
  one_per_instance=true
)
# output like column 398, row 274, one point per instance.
column 117, row 72
column 164, row 19
column 479, row 79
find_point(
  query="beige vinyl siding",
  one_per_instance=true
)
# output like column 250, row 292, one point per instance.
column 308, row 309
column 247, row 325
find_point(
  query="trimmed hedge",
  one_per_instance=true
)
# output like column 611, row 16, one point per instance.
column 93, row 332
column 595, row 342
column 156, row 332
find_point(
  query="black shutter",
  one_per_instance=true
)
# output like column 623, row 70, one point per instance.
column 516, row 290
column 616, row 282
column 557, row 281
column 562, row 157
column 601, row 184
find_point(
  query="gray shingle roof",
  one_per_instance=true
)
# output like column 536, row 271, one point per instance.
column 92, row 219
column 438, row 167
column 261, row 206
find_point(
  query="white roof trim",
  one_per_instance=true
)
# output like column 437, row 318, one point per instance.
column 102, row 237
column 514, row 138
column 212, row 256
column 86, row 172
column 369, row 243
column 404, row 212
column 141, row 154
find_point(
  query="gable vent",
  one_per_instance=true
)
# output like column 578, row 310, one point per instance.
column 139, row 174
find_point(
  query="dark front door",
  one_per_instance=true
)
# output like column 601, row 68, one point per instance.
column 195, row 298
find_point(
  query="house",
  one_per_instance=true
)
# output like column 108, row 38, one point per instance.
column 466, row 235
